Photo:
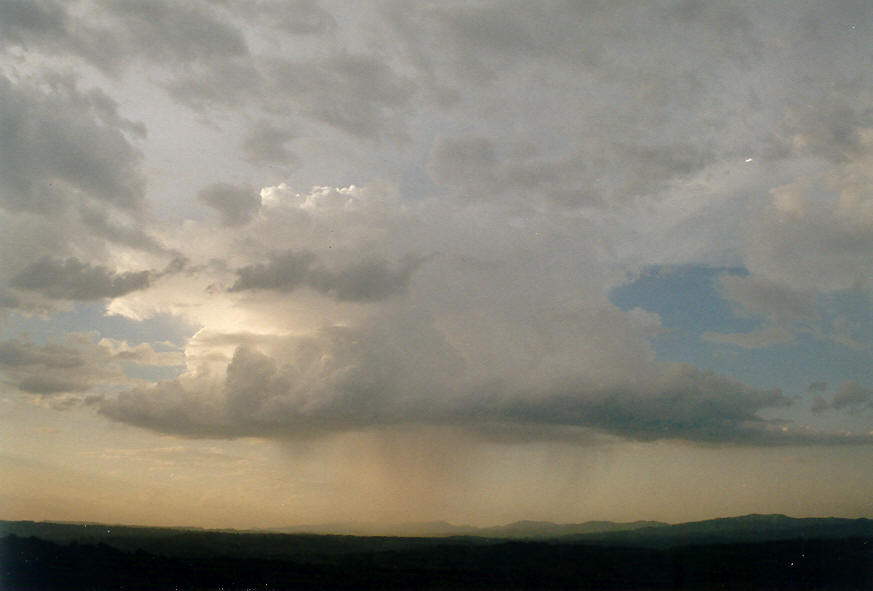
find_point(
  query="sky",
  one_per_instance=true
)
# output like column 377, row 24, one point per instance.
column 268, row 263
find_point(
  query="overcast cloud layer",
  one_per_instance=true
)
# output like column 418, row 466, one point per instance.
column 388, row 213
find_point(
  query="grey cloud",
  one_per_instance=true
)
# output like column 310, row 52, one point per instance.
column 128, row 234
column 368, row 280
column 818, row 235
column 108, row 34
column 851, row 395
column 467, row 162
column 694, row 405
column 267, row 143
column 54, row 368
column 231, row 83
column 24, row 19
column 457, row 160
column 75, row 366
column 781, row 304
column 767, row 337
column 72, row 279
column 358, row 94
column 284, row 272
column 299, row 17
column 237, row 205
column 48, row 26
column 65, row 145
column 472, row 165
column 832, row 128
column 172, row 31
column 819, row 404
column 203, row 57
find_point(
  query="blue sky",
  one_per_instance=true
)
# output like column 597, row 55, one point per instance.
column 689, row 303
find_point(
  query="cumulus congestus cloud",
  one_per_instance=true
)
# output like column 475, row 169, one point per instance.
column 404, row 372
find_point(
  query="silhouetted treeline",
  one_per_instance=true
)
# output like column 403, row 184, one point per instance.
column 31, row 564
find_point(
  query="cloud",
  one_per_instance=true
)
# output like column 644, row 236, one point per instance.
column 403, row 371
column 72, row 279
column 172, row 32
column 368, row 280
column 851, row 396
column 298, row 17
column 267, row 143
column 780, row 304
column 508, row 328
column 62, row 145
column 784, row 308
column 767, row 337
column 48, row 26
column 356, row 93
column 237, row 205
column 468, row 162
column 817, row 232
column 284, row 272
column 75, row 366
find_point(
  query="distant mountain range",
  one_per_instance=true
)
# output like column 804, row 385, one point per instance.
column 430, row 529
column 771, row 552
column 655, row 534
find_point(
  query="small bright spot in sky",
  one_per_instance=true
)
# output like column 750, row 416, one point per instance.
column 748, row 159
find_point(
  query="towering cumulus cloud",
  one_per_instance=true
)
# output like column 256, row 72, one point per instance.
column 519, row 234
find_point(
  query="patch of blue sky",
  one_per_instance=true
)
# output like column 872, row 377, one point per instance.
column 688, row 301
column 164, row 332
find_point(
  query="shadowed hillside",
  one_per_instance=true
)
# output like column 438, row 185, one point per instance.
column 45, row 556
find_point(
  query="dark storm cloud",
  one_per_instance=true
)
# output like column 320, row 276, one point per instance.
column 61, row 144
column 72, row 279
column 236, row 205
column 368, row 280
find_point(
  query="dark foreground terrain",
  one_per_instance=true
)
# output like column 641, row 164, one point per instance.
column 769, row 552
